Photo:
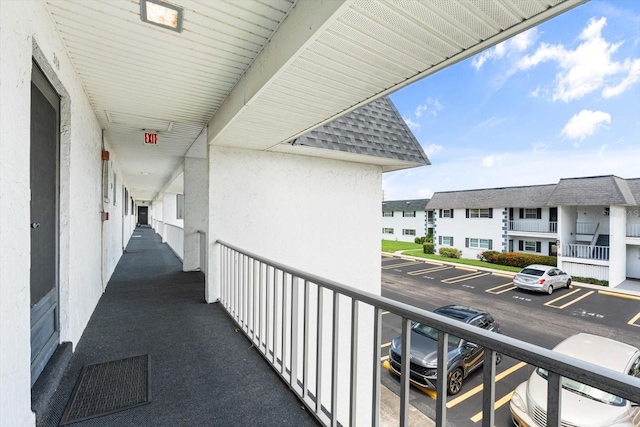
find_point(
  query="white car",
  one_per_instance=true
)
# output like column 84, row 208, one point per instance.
column 582, row 405
column 541, row 278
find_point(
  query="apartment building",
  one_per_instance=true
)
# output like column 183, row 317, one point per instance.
column 404, row 220
column 592, row 224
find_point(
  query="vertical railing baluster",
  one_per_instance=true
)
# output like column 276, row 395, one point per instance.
column 377, row 350
column 267, row 319
column 293, row 328
column 406, row 373
column 261, row 267
column 305, row 338
column 273, row 320
column 236, row 287
column 254, row 292
column 320, row 308
column 488, row 388
column 441, row 379
column 554, row 397
column 354, row 362
column 283, row 369
column 334, row 360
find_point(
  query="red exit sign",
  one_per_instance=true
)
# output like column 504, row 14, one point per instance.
column 151, row 138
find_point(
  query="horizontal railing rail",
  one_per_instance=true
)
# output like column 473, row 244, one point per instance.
column 283, row 311
column 534, row 226
column 585, row 251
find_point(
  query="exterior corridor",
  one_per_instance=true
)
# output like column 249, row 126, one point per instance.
column 203, row 372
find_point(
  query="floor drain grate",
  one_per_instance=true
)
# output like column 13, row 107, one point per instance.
column 105, row 388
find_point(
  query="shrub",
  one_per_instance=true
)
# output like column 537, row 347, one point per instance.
column 591, row 281
column 517, row 259
column 450, row 252
column 428, row 248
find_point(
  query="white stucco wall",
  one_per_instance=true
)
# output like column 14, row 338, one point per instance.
column 320, row 216
column 617, row 245
column 399, row 223
column 22, row 24
column 461, row 227
column 196, row 206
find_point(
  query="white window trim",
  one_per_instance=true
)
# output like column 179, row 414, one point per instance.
column 408, row 232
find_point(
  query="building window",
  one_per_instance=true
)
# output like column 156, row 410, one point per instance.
column 446, row 213
column 479, row 243
column 387, row 213
column 531, row 213
column 411, row 214
column 180, row 206
column 606, row 211
column 530, row 246
column 387, row 231
column 407, row 232
column 446, row 240
column 479, row 213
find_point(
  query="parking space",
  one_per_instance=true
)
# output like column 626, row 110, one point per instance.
column 534, row 317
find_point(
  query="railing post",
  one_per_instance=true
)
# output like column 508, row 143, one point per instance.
column 488, row 388
column 406, row 372
column 334, row 359
column 354, row 361
column 441, row 379
column 377, row 340
column 554, row 397
column 320, row 304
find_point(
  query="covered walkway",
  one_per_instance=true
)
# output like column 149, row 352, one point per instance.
column 202, row 371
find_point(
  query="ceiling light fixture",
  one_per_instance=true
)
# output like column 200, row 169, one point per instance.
column 145, row 173
column 162, row 14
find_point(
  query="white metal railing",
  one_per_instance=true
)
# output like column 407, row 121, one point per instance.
column 633, row 230
column 585, row 251
column 175, row 239
column 159, row 228
column 534, row 226
column 586, row 227
column 283, row 311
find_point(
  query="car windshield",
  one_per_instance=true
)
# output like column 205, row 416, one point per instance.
column 532, row 272
column 429, row 332
column 585, row 390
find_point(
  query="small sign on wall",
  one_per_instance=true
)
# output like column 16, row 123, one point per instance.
column 150, row 138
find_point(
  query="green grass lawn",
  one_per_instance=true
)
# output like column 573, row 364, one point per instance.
column 392, row 246
column 415, row 249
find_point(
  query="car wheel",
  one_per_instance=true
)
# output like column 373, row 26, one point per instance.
column 550, row 289
column 454, row 384
column 568, row 283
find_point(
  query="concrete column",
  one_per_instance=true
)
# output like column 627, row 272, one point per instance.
column 196, row 210
column 617, row 245
column 566, row 230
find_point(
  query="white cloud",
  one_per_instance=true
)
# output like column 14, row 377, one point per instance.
column 412, row 125
column 524, row 168
column 431, row 107
column 585, row 124
column 492, row 161
column 588, row 68
column 518, row 43
column 432, row 149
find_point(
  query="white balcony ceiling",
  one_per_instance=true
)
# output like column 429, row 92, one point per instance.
column 259, row 73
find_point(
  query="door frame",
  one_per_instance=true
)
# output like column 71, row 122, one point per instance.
column 51, row 301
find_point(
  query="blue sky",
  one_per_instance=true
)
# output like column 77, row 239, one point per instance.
column 561, row 100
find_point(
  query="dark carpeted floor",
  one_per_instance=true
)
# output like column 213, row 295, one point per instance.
column 203, row 373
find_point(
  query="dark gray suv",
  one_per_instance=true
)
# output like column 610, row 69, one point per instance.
column 464, row 357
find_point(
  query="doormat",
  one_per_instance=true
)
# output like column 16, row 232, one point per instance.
column 105, row 388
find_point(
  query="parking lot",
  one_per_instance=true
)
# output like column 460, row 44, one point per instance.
column 538, row 318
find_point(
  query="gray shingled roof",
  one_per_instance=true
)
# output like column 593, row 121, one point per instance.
column 405, row 205
column 587, row 191
column 531, row 196
column 594, row 190
column 376, row 129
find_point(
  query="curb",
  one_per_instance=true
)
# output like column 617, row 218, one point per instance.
column 614, row 292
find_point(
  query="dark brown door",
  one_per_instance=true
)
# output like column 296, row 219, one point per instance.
column 45, row 119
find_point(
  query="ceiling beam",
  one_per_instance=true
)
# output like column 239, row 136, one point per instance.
column 305, row 23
